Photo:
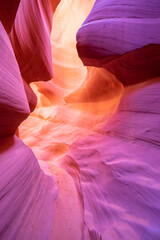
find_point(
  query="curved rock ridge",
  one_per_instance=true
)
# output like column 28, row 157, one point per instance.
column 137, row 66
column 68, row 69
column 27, row 191
column 80, row 86
column 97, row 99
column 31, row 96
column 116, row 169
column 27, row 194
column 99, row 85
column 114, row 36
column 14, row 106
column 30, row 38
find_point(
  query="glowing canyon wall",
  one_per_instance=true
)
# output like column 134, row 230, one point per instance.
column 79, row 120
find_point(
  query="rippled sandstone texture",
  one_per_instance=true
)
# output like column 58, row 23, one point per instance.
column 97, row 143
column 126, row 39
column 27, row 191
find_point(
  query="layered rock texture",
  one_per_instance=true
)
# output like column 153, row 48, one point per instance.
column 117, row 169
column 27, row 191
column 30, row 38
column 14, row 106
column 80, row 120
column 126, row 39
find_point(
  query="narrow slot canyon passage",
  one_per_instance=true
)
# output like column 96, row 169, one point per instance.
column 79, row 120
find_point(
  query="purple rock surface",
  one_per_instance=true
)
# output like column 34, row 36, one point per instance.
column 123, row 37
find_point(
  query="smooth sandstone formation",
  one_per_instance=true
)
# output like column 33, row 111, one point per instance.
column 27, row 193
column 105, row 161
column 14, row 106
column 30, row 38
column 122, row 36
column 69, row 72
column 99, row 85
column 68, row 211
column 116, row 169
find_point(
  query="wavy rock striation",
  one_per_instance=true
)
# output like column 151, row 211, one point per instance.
column 27, row 194
column 126, row 39
column 30, row 38
column 14, row 106
column 27, row 191
column 116, row 169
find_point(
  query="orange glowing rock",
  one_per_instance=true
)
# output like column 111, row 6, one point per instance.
column 99, row 85
column 77, row 98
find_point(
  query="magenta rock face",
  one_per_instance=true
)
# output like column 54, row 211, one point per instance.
column 27, row 190
column 116, row 170
column 114, row 34
column 27, row 194
column 14, row 106
column 30, row 38
column 137, row 66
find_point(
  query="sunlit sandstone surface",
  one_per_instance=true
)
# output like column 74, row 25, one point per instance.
column 80, row 88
